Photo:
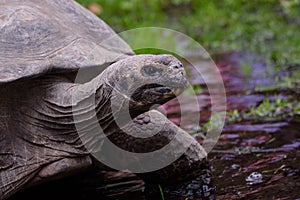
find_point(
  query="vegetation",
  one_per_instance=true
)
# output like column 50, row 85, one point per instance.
column 268, row 27
column 268, row 110
column 161, row 192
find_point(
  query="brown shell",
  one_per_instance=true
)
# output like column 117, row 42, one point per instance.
column 50, row 36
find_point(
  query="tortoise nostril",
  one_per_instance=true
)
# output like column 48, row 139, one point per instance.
column 177, row 66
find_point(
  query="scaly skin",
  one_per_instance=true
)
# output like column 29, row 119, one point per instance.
column 152, row 132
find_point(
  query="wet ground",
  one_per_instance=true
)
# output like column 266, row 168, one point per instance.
column 254, row 158
column 257, row 159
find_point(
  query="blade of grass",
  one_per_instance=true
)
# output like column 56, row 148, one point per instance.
column 161, row 192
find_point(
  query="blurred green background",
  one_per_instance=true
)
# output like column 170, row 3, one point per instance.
column 266, row 27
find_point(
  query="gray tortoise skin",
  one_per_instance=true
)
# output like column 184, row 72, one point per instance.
column 43, row 45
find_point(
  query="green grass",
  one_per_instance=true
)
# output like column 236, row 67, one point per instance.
column 267, row 110
column 291, row 82
column 267, row 27
column 161, row 193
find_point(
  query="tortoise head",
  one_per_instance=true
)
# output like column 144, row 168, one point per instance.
column 147, row 80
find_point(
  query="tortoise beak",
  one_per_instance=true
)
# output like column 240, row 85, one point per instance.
column 155, row 93
column 172, row 93
column 149, row 95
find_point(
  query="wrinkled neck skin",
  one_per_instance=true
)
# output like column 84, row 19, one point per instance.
column 88, row 105
column 54, row 106
column 101, row 101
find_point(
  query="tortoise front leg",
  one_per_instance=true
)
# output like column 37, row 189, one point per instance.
column 162, row 150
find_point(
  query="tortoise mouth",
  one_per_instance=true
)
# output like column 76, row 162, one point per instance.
column 149, row 96
column 162, row 91
column 155, row 93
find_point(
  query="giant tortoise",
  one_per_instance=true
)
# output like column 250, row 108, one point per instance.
column 43, row 46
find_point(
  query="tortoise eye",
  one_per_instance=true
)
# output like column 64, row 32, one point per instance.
column 151, row 70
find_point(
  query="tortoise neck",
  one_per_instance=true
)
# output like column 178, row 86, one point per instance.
column 97, row 102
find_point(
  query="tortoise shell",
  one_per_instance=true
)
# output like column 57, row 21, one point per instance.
column 39, row 37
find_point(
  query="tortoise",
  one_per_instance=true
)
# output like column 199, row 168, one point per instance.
column 43, row 46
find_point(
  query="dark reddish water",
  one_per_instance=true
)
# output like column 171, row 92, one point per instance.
column 253, row 159
column 270, row 148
